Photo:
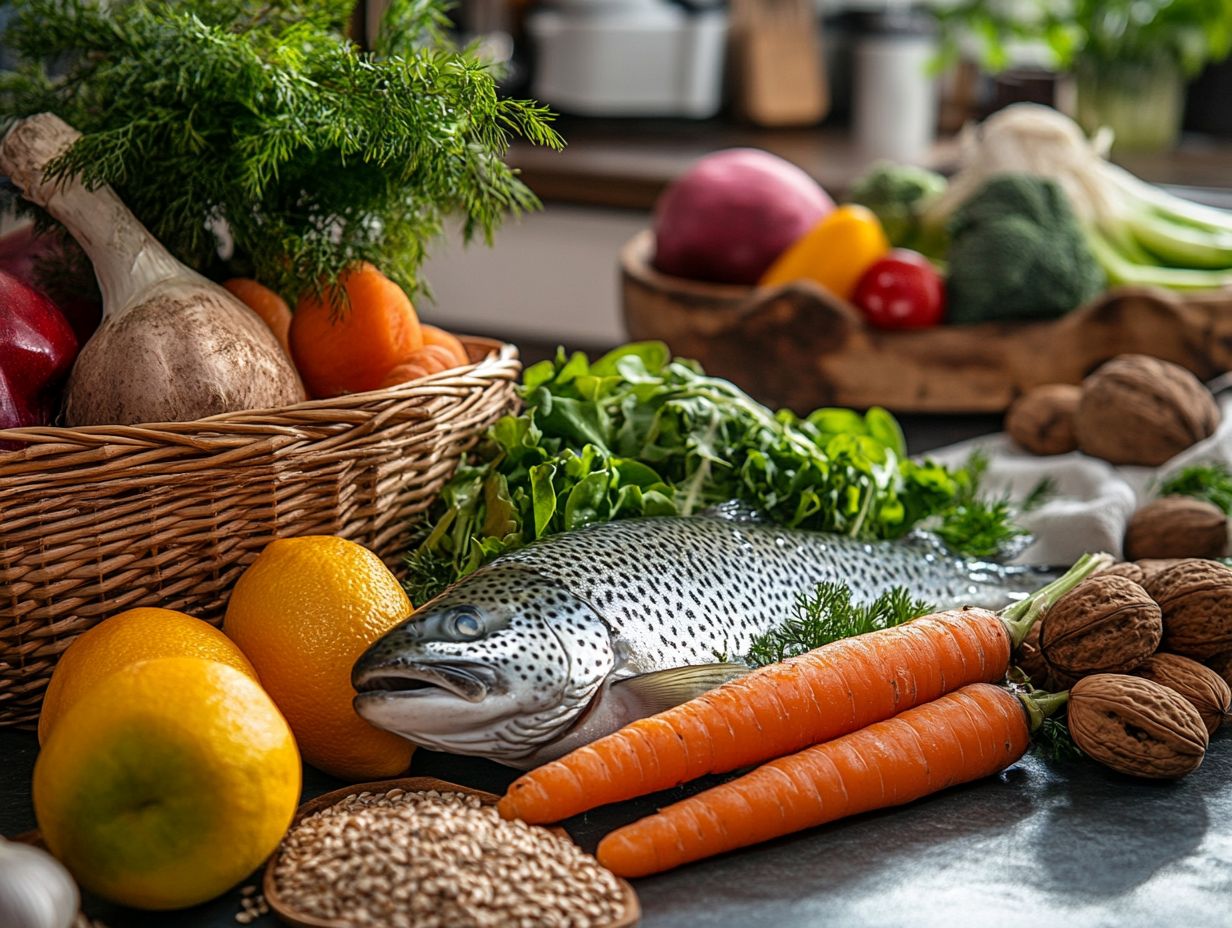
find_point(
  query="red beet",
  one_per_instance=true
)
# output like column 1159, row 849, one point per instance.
column 732, row 214
column 37, row 348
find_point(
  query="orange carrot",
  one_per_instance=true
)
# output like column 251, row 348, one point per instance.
column 781, row 708
column 267, row 304
column 425, row 360
column 346, row 343
column 964, row 735
column 434, row 335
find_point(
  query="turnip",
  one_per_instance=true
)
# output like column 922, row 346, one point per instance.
column 172, row 346
column 732, row 214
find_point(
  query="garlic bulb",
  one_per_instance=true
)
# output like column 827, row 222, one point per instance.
column 172, row 346
column 35, row 889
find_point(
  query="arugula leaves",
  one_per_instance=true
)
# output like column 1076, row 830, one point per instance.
column 637, row 433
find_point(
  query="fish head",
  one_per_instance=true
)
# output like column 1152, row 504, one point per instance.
column 498, row 665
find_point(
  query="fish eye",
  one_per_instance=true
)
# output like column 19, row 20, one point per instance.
column 466, row 624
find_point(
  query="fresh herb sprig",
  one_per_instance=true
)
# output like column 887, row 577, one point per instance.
column 1054, row 741
column 979, row 525
column 1210, row 482
column 637, row 433
column 828, row 614
column 263, row 115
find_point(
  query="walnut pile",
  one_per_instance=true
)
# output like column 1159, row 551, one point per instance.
column 1141, row 410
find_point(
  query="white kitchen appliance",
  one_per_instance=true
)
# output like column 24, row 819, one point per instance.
column 629, row 57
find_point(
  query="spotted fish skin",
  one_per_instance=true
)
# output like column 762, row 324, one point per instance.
column 681, row 590
column 509, row 660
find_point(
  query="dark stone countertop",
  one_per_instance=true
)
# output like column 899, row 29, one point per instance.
column 1043, row 844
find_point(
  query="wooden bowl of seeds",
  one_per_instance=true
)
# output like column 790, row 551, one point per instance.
column 423, row 853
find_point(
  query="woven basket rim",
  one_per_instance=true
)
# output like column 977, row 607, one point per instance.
column 497, row 354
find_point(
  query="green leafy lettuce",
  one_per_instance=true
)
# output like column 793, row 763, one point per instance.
column 637, row 433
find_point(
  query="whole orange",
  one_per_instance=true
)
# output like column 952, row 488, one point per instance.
column 169, row 785
column 344, row 341
column 123, row 639
column 267, row 304
column 303, row 613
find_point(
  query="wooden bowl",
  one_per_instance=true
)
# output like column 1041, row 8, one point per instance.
column 288, row 915
column 800, row 347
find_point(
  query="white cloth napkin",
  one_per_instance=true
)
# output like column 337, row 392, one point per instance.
column 1093, row 500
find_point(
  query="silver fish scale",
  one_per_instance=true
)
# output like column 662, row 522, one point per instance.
column 677, row 591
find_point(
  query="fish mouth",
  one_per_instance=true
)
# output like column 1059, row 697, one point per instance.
column 468, row 681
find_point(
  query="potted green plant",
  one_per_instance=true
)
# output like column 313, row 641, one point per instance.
column 1130, row 59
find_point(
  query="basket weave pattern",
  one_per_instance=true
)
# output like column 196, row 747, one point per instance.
column 104, row 518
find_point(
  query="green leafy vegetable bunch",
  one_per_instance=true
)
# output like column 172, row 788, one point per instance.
column 1190, row 32
column 261, row 117
column 637, row 433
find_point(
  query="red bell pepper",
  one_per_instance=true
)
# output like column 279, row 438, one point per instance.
column 37, row 349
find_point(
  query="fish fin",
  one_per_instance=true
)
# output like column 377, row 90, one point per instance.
column 661, row 689
column 734, row 510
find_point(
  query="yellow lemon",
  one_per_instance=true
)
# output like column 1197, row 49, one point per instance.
column 169, row 785
column 303, row 613
column 123, row 639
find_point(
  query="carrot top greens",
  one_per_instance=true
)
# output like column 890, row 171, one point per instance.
column 265, row 115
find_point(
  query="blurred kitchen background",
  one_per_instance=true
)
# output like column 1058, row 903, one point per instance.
column 646, row 86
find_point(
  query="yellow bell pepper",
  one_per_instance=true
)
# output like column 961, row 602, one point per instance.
column 835, row 253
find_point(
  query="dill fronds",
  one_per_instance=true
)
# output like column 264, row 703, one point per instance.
column 264, row 116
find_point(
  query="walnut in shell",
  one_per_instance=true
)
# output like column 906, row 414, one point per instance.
column 1140, row 410
column 1136, row 726
column 1153, row 565
column 1042, row 419
column 1177, row 527
column 1127, row 569
column 1106, row 624
column 1222, row 665
column 1195, row 598
column 1030, row 660
column 1206, row 690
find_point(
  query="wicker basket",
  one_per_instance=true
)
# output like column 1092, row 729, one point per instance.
column 99, row 519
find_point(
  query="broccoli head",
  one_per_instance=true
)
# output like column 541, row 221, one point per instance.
column 1017, row 252
column 898, row 194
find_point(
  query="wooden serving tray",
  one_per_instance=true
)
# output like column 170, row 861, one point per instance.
column 288, row 915
column 800, row 347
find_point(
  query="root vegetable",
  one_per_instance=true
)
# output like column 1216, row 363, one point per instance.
column 825, row 693
column 172, row 346
column 348, row 338
column 965, row 735
column 731, row 214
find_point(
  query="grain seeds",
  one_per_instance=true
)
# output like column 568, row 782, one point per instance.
column 439, row 860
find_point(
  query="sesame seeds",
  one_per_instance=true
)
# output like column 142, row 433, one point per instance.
column 439, row 860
